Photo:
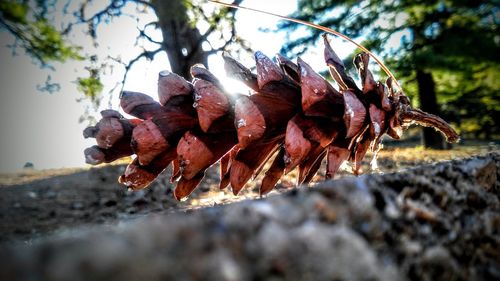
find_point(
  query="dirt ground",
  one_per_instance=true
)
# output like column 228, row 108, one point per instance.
column 434, row 221
column 35, row 203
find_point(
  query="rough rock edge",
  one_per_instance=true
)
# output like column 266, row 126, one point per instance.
column 435, row 222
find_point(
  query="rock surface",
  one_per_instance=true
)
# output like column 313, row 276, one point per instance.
column 434, row 222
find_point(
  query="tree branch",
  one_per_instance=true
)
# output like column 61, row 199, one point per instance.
column 145, row 3
column 149, row 55
column 212, row 28
column 142, row 33
column 25, row 41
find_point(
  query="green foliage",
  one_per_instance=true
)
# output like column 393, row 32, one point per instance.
column 35, row 33
column 14, row 11
column 49, row 44
column 457, row 41
column 91, row 87
column 43, row 31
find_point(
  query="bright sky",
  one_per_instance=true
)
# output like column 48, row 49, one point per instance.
column 43, row 128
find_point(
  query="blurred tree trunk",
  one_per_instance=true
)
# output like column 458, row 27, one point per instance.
column 181, row 39
column 428, row 102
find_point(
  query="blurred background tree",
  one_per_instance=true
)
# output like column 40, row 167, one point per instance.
column 38, row 30
column 445, row 52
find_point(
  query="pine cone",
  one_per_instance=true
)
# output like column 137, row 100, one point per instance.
column 292, row 112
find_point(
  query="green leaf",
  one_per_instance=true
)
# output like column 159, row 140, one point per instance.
column 91, row 87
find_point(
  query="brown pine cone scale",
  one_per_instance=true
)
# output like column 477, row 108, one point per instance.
column 292, row 113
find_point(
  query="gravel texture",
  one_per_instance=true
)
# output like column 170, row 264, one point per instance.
column 432, row 222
